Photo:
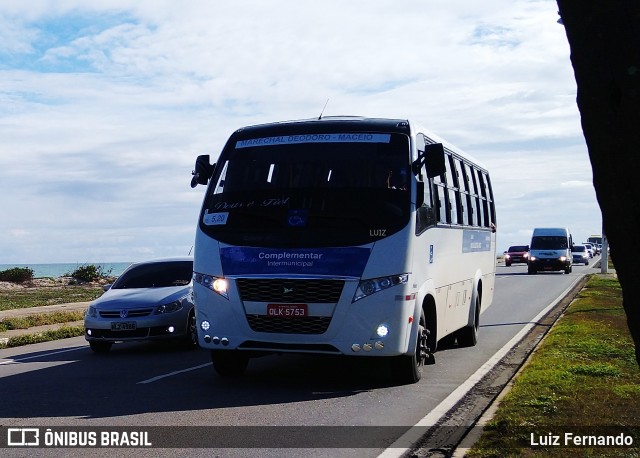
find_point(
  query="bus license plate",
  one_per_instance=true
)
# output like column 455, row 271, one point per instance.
column 123, row 326
column 286, row 310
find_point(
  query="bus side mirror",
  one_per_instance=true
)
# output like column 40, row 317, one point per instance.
column 419, row 193
column 202, row 171
column 434, row 159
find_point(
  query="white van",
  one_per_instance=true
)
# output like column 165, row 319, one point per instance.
column 550, row 250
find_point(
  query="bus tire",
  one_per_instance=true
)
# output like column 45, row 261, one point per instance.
column 468, row 336
column 229, row 363
column 407, row 369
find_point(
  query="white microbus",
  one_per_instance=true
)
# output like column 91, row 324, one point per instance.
column 344, row 236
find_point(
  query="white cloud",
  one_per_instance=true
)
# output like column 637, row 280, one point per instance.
column 104, row 106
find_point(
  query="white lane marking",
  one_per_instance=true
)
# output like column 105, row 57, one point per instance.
column 413, row 435
column 13, row 361
column 170, row 374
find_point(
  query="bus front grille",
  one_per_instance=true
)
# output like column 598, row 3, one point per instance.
column 286, row 290
column 289, row 325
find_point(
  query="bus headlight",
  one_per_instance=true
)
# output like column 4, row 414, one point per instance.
column 373, row 285
column 216, row 284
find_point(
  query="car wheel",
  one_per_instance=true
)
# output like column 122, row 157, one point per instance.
column 408, row 368
column 229, row 363
column 532, row 271
column 468, row 336
column 100, row 347
column 190, row 339
column 508, row 264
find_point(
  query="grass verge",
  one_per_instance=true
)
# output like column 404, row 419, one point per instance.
column 62, row 333
column 583, row 380
column 36, row 297
column 40, row 319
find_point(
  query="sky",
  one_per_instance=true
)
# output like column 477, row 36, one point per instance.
column 104, row 106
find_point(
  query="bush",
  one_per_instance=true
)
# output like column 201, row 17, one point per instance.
column 89, row 273
column 17, row 275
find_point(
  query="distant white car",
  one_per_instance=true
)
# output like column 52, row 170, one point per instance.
column 590, row 248
column 580, row 254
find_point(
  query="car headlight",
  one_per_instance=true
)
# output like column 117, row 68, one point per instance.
column 92, row 312
column 563, row 258
column 373, row 285
column 168, row 308
column 216, row 284
column 506, row 256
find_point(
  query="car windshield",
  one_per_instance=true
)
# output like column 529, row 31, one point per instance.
column 518, row 248
column 156, row 275
column 579, row 248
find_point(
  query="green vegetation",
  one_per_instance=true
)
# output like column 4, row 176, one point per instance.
column 36, row 297
column 41, row 319
column 89, row 273
column 17, row 275
column 62, row 333
column 582, row 378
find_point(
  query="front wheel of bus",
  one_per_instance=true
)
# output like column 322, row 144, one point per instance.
column 229, row 363
column 408, row 368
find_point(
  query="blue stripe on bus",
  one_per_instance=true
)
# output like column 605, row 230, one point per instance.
column 344, row 262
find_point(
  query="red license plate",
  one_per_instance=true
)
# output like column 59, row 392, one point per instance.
column 286, row 310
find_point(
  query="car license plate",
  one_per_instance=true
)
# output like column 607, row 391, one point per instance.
column 286, row 310
column 123, row 325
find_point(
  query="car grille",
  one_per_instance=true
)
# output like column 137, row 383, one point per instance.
column 284, row 290
column 297, row 325
column 134, row 313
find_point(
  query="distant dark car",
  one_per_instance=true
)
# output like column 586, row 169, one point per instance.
column 516, row 254
column 150, row 301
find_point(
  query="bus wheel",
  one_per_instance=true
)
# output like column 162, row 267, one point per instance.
column 408, row 368
column 468, row 336
column 229, row 363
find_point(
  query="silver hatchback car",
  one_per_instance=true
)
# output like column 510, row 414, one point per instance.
column 150, row 300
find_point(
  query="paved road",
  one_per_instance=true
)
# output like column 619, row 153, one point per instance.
column 63, row 383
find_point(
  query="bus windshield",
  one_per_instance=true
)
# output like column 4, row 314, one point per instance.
column 334, row 189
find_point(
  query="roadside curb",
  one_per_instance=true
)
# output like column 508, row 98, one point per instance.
column 481, row 399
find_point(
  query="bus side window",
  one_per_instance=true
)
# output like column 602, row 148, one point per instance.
column 485, row 199
column 477, row 206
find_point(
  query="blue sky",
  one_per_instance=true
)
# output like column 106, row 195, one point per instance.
column 105, row 105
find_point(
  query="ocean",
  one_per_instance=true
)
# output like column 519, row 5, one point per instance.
column 62, row 269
